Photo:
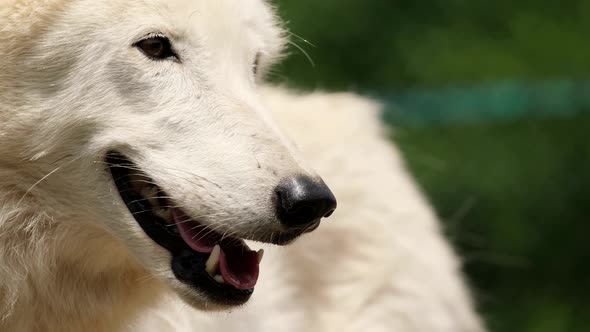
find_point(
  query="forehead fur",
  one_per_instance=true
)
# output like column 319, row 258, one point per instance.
column 32, row 12
column 22, row 20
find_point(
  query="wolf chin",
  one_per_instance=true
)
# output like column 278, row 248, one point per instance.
column 141, row 159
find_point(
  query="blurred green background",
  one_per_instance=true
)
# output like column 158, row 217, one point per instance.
column 490, row 101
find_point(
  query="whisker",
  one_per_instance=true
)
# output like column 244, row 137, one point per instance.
column 55, row 170
column 301, row 38
column 303, row 51
column 189, row 219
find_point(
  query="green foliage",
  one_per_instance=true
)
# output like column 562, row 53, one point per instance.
column 515, row 199
column 380, row 44
column 514, row 195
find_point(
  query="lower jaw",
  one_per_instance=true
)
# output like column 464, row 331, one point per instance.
column 188, row 267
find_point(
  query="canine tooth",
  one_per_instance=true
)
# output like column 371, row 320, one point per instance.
column 152, row 200
column 151, row 194
column 136, row 180
column 165, row 214
column 260, row 255
column 213, row 261
column 219, row 279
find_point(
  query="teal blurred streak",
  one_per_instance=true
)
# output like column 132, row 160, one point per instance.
column 505, row 101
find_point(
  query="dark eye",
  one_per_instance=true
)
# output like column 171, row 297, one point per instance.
column 157, row 47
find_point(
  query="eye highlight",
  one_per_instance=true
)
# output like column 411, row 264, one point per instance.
column 156, row 47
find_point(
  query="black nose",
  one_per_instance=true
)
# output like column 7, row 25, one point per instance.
column 303, row 201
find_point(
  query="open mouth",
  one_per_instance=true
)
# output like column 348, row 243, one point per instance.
column 224, row 269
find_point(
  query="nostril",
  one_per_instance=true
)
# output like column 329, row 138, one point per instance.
column 330, row 213
column 305, row 212
column 303, row 201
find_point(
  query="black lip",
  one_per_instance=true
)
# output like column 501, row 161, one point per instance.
column 187, row 265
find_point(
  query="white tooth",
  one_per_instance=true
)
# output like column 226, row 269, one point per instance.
column 213, row 262
column 165, row 214
column 219, row 279
column 136, row 180
column 153, row 200
column 151, row 194
column 260, row 255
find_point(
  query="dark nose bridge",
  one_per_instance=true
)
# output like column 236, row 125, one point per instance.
column 303, row 201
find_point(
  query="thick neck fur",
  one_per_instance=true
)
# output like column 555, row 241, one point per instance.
column 63, row 275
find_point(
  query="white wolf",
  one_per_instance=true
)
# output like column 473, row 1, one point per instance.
column 137, row 155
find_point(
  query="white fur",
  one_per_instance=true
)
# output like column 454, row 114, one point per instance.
column 380, row 264
column 73, row 259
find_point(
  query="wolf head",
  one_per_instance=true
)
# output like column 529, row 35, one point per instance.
column 142, row 118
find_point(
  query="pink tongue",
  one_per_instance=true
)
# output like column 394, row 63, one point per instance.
column 198, row 237
column 238, row 264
